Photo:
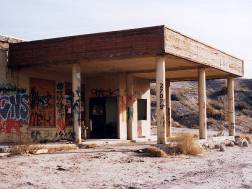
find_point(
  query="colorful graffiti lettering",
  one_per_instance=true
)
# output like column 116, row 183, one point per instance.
column 6, row 88
column 41, row 118
column 42, row 103
column 14, row 109
column 10, row 125
column 60, row 107
column 39, row 101
column 105, row 92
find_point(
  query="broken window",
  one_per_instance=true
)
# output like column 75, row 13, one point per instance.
column 142, row 109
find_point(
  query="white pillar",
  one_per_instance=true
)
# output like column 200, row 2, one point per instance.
column 76, row 88
column 131, row 109
column 122, row 107
column 168, row 109
column 202, row 103
column 161, row 104
column 230, row 106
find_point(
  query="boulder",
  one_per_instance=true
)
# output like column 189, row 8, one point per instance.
column 222, row 147
column 245, row 143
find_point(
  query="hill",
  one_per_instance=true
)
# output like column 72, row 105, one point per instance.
column 185, row 104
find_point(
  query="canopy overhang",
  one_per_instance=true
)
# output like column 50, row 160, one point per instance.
column 129, row 51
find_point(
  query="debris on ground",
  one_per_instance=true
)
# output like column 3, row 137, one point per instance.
column 222, row 147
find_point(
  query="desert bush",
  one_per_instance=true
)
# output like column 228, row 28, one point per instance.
column 214, row 113
column 216, row 104
column 186, row 144
column 88, row 145
column 240, row 106
column 154, row 152
column 62, row 148
column 247, row 137
column 21, row 149
column 24, row 146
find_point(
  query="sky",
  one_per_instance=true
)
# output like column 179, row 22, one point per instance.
column 224, row 24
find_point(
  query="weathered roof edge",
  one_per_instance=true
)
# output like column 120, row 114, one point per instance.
column 92, row 34
column 187, row 36
column 10, row 39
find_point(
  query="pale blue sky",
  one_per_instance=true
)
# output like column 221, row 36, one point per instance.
column 225, row 24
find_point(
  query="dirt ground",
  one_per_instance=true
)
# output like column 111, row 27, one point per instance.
column 118, row 166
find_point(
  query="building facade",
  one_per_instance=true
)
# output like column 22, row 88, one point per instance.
column 98, row 85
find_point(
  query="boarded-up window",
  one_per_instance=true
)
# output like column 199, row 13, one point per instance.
column 42, row 103
column 142, row 109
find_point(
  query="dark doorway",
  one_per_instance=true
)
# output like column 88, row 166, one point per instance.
column 103, row 115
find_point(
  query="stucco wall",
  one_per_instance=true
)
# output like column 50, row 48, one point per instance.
column 97, row 86
column 142, row 91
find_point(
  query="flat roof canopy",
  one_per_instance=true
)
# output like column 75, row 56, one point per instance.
column 132, row 51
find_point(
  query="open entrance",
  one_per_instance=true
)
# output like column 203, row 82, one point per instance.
column 104, row 119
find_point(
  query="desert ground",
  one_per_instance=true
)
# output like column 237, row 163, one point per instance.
column 120, row 166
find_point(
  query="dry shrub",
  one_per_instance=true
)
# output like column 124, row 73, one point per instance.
column 155, row 152
column 186, row 144
column 62, row 148
column 215, row 113
column 216, row 104
column 88, row 145
column 25, row 146
column 22, row 149
column 248, row 138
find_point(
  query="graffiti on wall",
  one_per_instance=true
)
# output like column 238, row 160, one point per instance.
column 14, row 109
column 42, row 103
column 68, row 105
column 45, row 136
column 76, row 103
column 60, row 107
column 104, row 92
column 161, row 96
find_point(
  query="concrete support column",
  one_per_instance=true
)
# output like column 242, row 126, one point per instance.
column 168, row 109
column 202, row 104
column 230, row 106
column 131, row 109
column 161, row 104
column 122, row 107
column 76, row 89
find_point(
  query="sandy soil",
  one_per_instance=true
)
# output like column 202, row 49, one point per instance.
column 120, row 167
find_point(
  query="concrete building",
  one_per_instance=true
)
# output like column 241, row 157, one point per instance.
column 98, row 85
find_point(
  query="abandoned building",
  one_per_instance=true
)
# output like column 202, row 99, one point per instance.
column 98, row 85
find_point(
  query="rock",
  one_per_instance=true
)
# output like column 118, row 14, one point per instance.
column 231, row 144
column 237, row 140
column 217, row 146
column 205, row 145
column 211, row 145
column 245, row 143
column 222, row 147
